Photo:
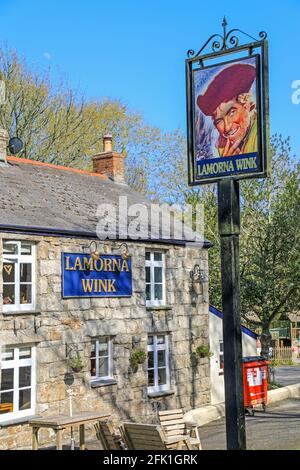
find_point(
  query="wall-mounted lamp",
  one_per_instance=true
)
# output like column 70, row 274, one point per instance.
column 125, row 253
column 94, row 251
column 198, row 275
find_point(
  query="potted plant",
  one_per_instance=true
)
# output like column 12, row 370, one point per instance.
column 203, row 351
column 76, row 363
column 138, row 356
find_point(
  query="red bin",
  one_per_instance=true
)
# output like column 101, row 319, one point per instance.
column 255, row 374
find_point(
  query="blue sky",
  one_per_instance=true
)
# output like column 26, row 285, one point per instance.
column 135, row 50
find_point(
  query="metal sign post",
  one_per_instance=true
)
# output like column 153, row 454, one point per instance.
column 228, row 141
column 229, row 229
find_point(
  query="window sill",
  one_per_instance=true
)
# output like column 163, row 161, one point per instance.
column 159, row 307
column 22, row 312
column 103, row 383
column 164, row 393
column 12, row 422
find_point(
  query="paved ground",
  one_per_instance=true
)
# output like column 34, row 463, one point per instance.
column 287, row 375
column 277, row 429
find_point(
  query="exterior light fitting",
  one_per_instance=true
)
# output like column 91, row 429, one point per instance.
column 95, row 253
column 198, row 275
column 125, row 253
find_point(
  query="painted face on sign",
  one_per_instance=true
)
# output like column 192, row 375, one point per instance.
column 232, row 119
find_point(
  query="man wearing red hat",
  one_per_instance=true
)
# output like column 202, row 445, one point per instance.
column 228, row 101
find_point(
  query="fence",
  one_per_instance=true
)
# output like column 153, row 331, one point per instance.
column 282, row 354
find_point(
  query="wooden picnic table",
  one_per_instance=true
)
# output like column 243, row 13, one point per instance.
column 60, row 422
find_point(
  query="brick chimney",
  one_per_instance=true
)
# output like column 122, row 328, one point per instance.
column 3, row 145
column 109, row 163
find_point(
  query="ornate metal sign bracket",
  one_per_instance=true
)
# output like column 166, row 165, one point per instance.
column 229, row 40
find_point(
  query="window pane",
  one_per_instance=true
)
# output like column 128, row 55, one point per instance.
column 9, row 272
column 24, row 376
column 10, row 248
column 147, row 273
column 157, row 256
column 25, row 294
column 161, row 358
column 25, row 399
column 160, row 339
column 6, row 402
column 93, row 350
column 150, row 359
column 7, row 354
column 162, row 378
column 150, row 340
column 147, row 256
column 25, row 272
column 103, row 367
column 221, row 347
column 158, row 292
column 26, row 249
column 151, row 378
column 103, row 347
column 157, row 274
column 148, row 292
column 25, row 353
column 8, row 294
column 93, row 367
column 7, row 379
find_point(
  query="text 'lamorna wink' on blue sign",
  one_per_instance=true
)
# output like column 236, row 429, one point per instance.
column 109, row 276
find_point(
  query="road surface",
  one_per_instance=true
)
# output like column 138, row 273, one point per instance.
column 276, row 429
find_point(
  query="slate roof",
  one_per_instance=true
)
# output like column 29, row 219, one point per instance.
column 48, row 199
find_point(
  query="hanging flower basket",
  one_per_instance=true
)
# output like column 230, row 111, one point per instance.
column 76, row 363
column 202, row 351
column 138, row 356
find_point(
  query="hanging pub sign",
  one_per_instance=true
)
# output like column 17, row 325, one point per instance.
column 83, row 276
column 227, row 111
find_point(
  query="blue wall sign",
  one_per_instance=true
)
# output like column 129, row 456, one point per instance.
column 110, row 276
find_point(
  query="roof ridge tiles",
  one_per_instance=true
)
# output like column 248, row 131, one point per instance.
column 12, row 158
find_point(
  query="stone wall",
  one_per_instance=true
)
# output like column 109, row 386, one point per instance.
column 58, row 322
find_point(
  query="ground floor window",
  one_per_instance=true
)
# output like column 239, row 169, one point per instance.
column 158, row 363
column 102, row 359
column 17, row 382
column 221, row 356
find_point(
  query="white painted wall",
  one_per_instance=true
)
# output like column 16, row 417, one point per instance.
column 215, row 336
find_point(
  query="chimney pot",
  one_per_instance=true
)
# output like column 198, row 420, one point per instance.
column 107, row 143
column 109, row 163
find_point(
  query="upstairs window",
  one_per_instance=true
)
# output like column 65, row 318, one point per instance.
column 18, row 274
column 155, row 278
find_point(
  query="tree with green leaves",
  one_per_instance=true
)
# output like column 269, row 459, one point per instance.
column 269, row 240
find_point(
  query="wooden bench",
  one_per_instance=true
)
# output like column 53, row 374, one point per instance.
column 173, row 424
column 150, row 437
column 109, row 438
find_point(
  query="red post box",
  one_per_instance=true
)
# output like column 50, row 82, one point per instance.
column 255, row 373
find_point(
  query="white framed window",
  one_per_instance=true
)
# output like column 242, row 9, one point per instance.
column 221, row 357
column 17, row 382
column 158, row 363
column 102, row 359
column 18, row 274
column 155, row 278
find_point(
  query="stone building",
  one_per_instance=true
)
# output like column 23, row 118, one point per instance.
column 48, row 213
